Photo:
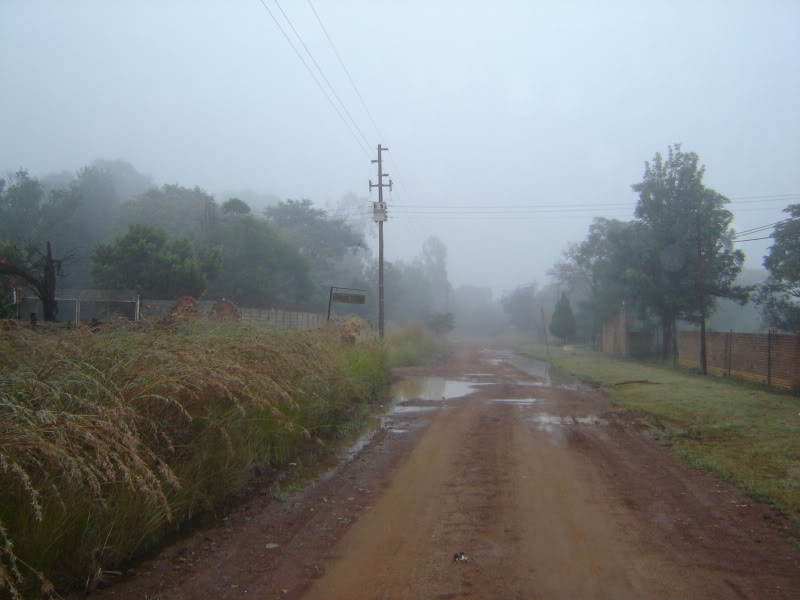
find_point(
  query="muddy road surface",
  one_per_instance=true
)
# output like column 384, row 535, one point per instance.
column 547, row 494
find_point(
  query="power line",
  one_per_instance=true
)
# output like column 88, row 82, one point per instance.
column 754, row 239
column 321, row 72
column 392, row 159
column 347, row 72
column 795, row 194
column 764, row 227
column 314, row 77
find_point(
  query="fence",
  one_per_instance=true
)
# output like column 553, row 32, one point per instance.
column 84, row 305
column 768, row 358
column 283, row 318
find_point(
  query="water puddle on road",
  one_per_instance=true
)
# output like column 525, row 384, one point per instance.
column 521, row 401
column 431, row 388
column 549, row 423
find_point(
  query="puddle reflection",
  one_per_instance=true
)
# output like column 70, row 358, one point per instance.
column 431, row 388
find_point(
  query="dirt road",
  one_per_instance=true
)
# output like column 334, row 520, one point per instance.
column 547, row 493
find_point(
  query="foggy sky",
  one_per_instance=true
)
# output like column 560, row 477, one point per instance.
column 480, row 103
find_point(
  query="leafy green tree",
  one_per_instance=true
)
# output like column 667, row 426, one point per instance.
column 325, row 242
column 234, row 206
column 690, row 261
column 143, row 259
column 259, row 268
column 779, row 295
column 179, row 211
column 562, row 323
column 30, row 219
column 520, row 308
column 605, row 269
column 30, row 214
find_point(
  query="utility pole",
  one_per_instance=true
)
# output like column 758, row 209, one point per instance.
column 701, row 296
column 379, row 216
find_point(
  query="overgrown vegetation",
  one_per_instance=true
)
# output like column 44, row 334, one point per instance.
column 108, row 440
column 746, row 435
column 413, row 345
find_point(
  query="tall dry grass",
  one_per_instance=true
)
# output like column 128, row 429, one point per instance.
column 110, row 439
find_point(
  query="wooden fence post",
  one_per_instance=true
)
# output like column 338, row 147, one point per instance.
column 796, row 363
column 769, row 357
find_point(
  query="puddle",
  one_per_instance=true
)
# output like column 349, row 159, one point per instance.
column 405, row 408
column 494, row 361
column 522, row 401
column 431, row 388
column 545, row 374
column 548, row 422
column 356, row 447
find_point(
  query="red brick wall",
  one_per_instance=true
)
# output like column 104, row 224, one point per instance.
column 756, row 357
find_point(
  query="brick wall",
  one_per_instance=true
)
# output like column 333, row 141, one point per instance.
column 770, row 359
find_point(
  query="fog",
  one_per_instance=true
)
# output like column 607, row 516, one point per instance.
column 550, row 106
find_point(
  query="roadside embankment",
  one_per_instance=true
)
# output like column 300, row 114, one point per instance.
column 747, row 435
column 111, row 439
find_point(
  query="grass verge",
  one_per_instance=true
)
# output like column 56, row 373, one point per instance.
column 110, row 440
column 749, row 436
column 413, row 344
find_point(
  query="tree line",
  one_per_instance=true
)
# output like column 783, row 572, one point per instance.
column 674, row 261
column 110, row 227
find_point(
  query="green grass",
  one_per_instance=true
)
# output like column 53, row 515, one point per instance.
column 745, row 434
column 413, row 344
column 108, row 441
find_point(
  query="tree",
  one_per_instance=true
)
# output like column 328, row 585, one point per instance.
column 325, row 242
column 179, row 211
column 779, row 295
column 32, row 219
column 143, row 259
column 562, row 323
column 520, row 308
column 433, row 260
column 259, row 268
column 30, row 214
column 234, row 206
column 36, row 268
column 690, row 260
column 605, row 269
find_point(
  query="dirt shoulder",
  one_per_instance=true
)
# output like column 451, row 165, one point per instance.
column 547, row 493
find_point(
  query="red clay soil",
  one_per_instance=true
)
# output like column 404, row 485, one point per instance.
column 549, row 497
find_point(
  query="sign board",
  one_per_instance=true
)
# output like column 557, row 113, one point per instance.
column 348, row 298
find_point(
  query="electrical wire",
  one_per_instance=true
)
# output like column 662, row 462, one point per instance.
column 345, row 69
column 764, row 227
column 314, row 77
column 321, row 72
column 754, row 239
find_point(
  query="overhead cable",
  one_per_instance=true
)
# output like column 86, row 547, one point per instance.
column 314, row 77
column 321, row 72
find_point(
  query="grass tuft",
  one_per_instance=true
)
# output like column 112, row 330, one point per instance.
column 109, row 440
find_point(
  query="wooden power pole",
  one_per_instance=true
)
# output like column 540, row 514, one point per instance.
column 379, row 216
